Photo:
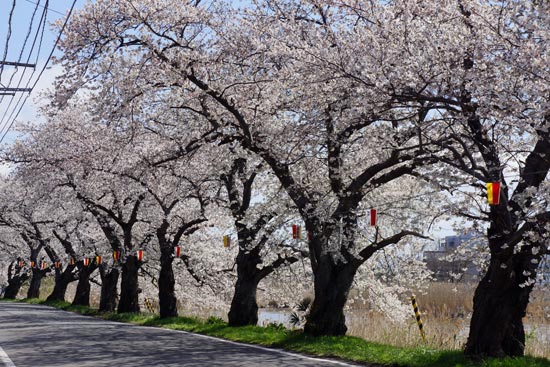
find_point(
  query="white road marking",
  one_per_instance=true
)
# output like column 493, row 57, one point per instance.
column 5, row 359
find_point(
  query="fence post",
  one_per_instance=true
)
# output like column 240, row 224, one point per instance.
column 418, row 319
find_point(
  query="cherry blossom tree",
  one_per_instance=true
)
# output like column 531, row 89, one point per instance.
column 261, row 250
column 492, row 103
column 23, row 211
column 350, row 104
column 114, row 205
column 314, row 133
column 16, row 277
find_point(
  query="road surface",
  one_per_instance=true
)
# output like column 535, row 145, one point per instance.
column 32, row 336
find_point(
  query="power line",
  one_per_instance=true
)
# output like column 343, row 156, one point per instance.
column 18, row 63
column 45, row 7
column 41, row 71
column 8, row 36
column 39, row 31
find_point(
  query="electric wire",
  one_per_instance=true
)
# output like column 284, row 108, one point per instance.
column 40, row 31
column 9, row 126
column 45, row 7
column 8, row 36
column 22, row 51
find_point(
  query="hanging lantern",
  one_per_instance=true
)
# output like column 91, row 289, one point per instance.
column 32, row 264
column 177, row 251
column 493, row 193
column 72, row 261
column 296, row 232
column 372, row 216
column 21, row 263
column 116, row 255
column 43, row 265
column 98, row 260
column 57, row 264
column 226, row 241
column 86, row 261
column 140, row 255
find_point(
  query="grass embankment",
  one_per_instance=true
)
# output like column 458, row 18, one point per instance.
column 344, row 347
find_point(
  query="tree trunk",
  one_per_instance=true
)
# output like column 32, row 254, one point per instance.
column 244, row 309
column 502, row 296
column 500, row 303
column 62, row 280
column 82, row 295
column 36, row 281
column 109, row 281
column 332, row 285
column 59, row 289
column 14, row 285
column 129, row 287
column 167, row 294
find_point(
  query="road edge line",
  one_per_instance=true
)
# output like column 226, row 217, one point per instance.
column 267, row 349
column 5, row 359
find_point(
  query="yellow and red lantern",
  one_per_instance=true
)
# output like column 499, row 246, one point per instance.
column 43, row 265
column 140, row 254
column 177, row 251
column 226, row 241
column 116, row 255
column 21, row 263
column 72, row 261
column 493, row 193
column 98, row 260
column 33, row 264
column 57, row 264
column 372, row 217
column 86, row 261
column 296, row 232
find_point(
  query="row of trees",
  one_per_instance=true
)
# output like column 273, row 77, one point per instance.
column 172, row 116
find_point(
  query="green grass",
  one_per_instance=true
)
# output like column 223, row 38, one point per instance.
column 343, row 347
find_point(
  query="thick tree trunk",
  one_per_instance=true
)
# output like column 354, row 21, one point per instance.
column 500, row 304
column 167, row 294
column 59, row 289
column 62, row 280
column 502, row 296
column 129, row 287
column 82, row 295
column 109, row 281
column 14, row 285
column 332, row 285
column 36, row 282
column 496, row 328
column 244, row 309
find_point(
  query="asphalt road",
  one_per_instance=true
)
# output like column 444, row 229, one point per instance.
column 39, row 336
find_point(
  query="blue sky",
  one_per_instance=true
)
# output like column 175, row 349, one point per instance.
column 20, row 50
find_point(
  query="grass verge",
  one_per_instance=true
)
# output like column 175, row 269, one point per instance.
column 342, row 347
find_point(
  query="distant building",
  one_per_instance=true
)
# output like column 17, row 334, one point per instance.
column 445, row 263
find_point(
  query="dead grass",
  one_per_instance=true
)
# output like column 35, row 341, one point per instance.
column 446, row 310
